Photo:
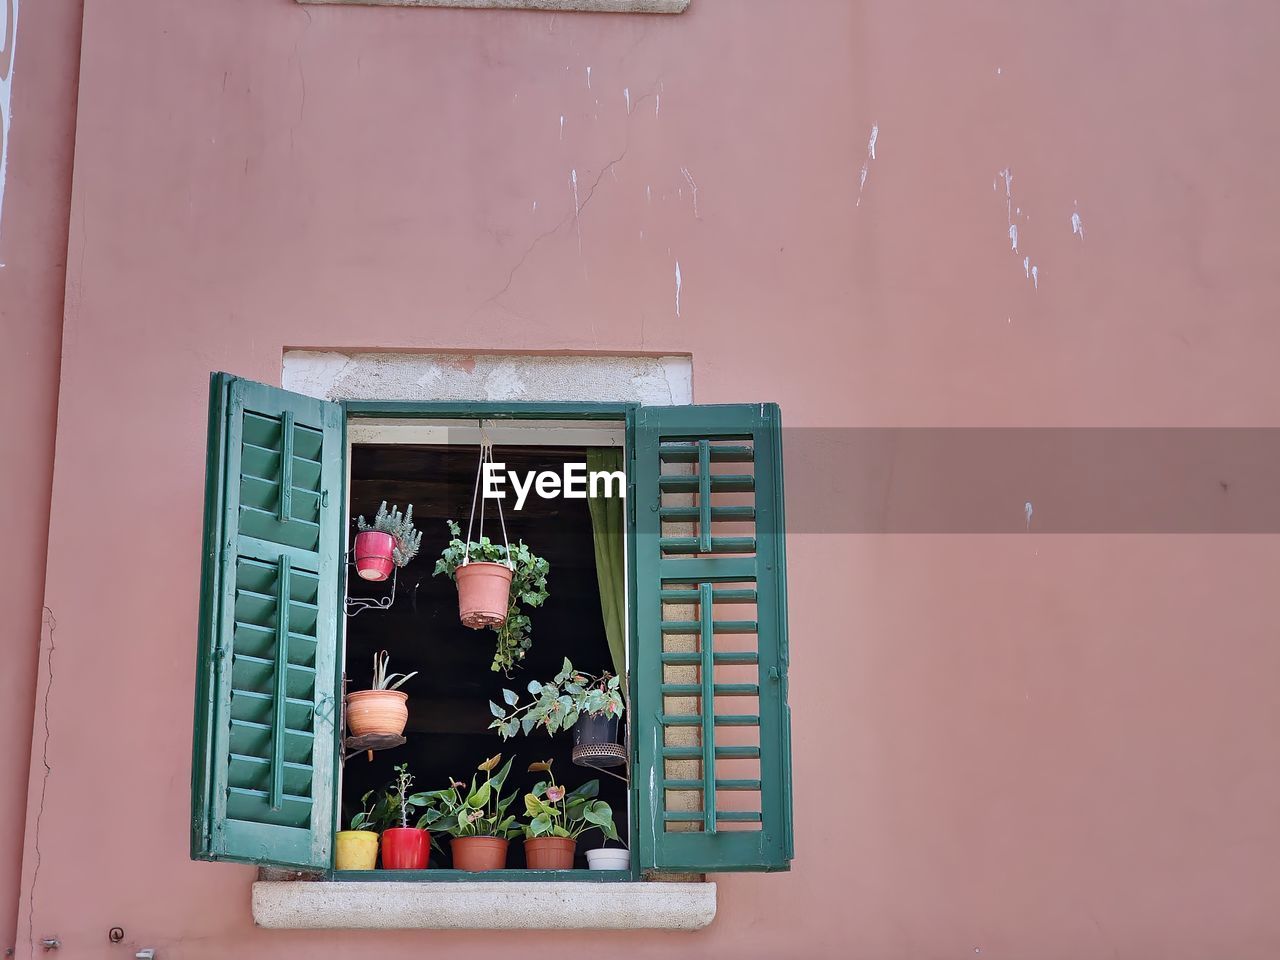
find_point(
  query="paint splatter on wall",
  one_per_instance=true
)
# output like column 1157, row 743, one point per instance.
column 8, row 40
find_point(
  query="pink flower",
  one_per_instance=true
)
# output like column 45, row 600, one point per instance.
column 555, row 794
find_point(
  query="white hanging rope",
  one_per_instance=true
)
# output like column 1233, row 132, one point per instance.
column 486, row 456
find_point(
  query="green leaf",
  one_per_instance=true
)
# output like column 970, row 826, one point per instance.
column 510, row 697
column 598, row 812
column 497, row 711
column 535, row 688
column 500, row 777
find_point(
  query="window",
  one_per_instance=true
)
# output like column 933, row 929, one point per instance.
column 709, row 726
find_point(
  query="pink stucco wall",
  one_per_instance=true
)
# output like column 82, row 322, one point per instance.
column 1005, row 746
column 41, row 67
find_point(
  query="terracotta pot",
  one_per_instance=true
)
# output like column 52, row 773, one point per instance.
column 549, row 853
column 377, row 711
column 355, row 850
column 405, row 848
column 373, row 555
column 479, row 853
column 484, row 593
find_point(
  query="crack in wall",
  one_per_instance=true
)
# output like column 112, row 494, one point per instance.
column 51, row 623
column 575, row 216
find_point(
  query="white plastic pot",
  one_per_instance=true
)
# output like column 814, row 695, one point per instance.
column 609, row 858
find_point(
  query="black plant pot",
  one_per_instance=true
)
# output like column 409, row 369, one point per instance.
column 597, row 728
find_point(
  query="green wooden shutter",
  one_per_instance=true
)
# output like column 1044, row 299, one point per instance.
column 266, row 687
column 711, row 723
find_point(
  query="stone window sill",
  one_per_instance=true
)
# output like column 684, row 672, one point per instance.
column 589, row 6
column 477, row 905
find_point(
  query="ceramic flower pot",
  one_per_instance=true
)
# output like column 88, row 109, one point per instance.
column 479, row 853
column 373, row 555
column 355, row 850
column 549, row 853
column 484, row 593
column 609, row 858
column 377, row 711
column 405, row 848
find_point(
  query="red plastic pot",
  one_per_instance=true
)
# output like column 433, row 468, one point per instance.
column 373, row 555
column 405, row 848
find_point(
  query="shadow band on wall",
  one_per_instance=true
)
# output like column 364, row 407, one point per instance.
column 1039, row 480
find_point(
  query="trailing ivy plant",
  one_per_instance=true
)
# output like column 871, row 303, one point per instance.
column 401, row 528
column 552, row 812
column 528, row 589
column 558, row 704
column 480, row 812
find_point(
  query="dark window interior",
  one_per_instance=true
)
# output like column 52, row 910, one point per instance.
column 449, row 714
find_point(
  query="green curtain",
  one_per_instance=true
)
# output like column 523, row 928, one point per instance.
column 606, row 525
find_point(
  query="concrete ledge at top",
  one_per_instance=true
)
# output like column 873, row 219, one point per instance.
column 584, row 6
column 480, row 905
column 329, row 375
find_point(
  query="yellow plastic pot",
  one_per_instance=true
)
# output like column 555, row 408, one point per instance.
column 356, row 850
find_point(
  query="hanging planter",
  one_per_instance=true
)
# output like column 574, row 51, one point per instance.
column 373, row 552
column 484, row 591
column 383, row 710
column 589, row 704
column 592, row 730
column 495, row 581
column 390, row 541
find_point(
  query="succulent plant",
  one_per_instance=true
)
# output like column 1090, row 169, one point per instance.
column 400, row 526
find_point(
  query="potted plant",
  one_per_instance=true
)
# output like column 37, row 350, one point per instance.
column 404, row 847
column 390, row 540
column 590, row 704
column 383, row 709
column 557, row 818
column 495, row 584
column 477, row 820
column 357, row 848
